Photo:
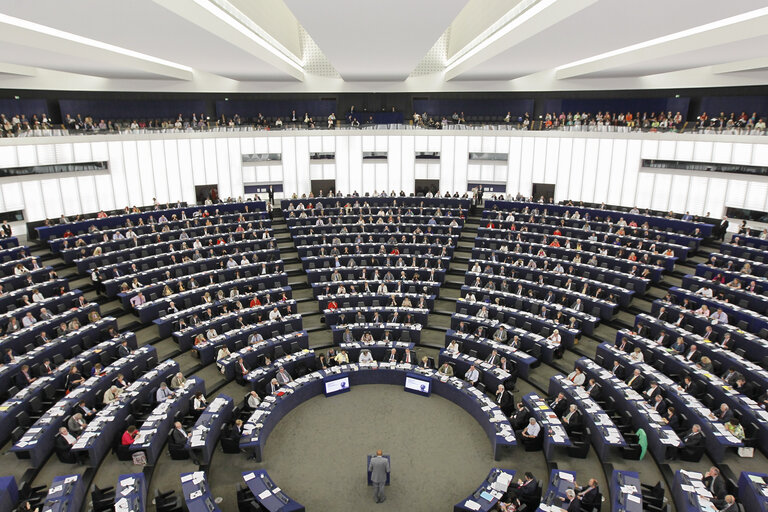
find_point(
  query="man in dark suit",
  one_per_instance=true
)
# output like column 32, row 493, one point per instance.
column 593, row 388
column 504, row 399
column 724, row 414
column 572, row 419
column 571, row 503
column 642, row 330
column 693, row 354
column 658, row 404
column 672, row 419
column 617, row 371
column 636, row 380
column 652, row 391
column 123, row 349
column 692, row 440
column 727, row 505
column 721, row 229
column 559, row 405
column 45, row 368
column 688, row 385
column 519, row 419
column 715, row 483
column 408, row 357
column 178, row 435
column 589, row 495
column 63, row 445
column 25, row 378
column 524, row 490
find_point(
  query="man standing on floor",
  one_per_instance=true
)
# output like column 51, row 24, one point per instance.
column 379, row 468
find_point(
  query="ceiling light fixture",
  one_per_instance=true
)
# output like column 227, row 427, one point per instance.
column 50, row 31
column 230, row 15
column 740, row 18
column 515, row 17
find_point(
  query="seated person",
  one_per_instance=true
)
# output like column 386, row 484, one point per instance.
column 472, row 376
column 129, row 436
column 530, row 434
column 365, row 356
column 446, row 370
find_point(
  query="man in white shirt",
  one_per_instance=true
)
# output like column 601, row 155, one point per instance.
column 705, row 291
column 472, row 375
column 283, row 377
column 531, row 432
column 163, row 392
column 275, row 315
column 137, row 300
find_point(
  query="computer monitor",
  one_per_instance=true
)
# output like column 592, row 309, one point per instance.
column 417, row 384
column 336, row 384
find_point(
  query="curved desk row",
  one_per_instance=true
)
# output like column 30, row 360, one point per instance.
column 272, row 409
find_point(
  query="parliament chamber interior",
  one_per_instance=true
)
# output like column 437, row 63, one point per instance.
column 412, row 256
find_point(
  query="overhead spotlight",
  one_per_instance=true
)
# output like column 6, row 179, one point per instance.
column 17, row 97
column 226, row 99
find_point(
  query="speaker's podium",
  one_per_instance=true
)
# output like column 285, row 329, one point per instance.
column 368, row 464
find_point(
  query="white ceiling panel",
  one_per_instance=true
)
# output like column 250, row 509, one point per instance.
column 605, row 26
column 375, row 40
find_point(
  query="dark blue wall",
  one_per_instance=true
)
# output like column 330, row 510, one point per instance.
column 496, row 108
column 713, row 105
column 133, row 109
column 248, row 109
column 616, row 105
column 29, row 108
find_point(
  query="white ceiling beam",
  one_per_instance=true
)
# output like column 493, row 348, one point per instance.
column 211, row 18
column 536, row 19
column 26, row 33
column 15, row 69
column 741, row 65
column 729, row 30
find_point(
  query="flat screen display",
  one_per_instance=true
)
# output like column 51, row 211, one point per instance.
column 336, row 384
column 417, row 384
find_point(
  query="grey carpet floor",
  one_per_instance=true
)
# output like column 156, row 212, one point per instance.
column 317, row 453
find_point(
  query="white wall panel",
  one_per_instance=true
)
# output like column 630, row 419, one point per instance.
column 489, row 145
column 644, row 190
column 616, row 176
column 126, row 193
column 650, row 149
column 235, row 168
column 473, row 172
column 99, row 151
column 539, row 159
column 702, row 151
column 30, row 197
column 756, row 194
column 395, row 163
column 27, row 155
column 89, row 195
column 171, row 154
column 198, row 161
column 13, row 197
column 407, row 159
column 433, row 171
column 381, row 143
column 64, row 153
column 661, row 191
column 667, row 149
column 760, row 154
column 502, row 144
column 631, row 171
column 588, row 183
column 82, row 152
column 315, row 144
column 697, row 195
column 552, row 161
column 603, row 175
column 186, row 170
column 51, row 196
column 684, row 150
column 421, row 143
column 160, row 171
column 737, row 190
column 8, row 156
column 475, row 144
column 355, row 158
column 209, row 159
column 457, row 179
column 329, row 143
column 500, row 173
column 316, row 171
column 46, row 154
column 513, row 173
column 678, row 196
column 293, row 181
column 722, row 152
column 146, row 174
column 577, row 168
column 562, row 179
column 70, row 195
column 434, row 143
column 223, row 169
column 742, row 154
column 716, row 190
column 525, row 186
